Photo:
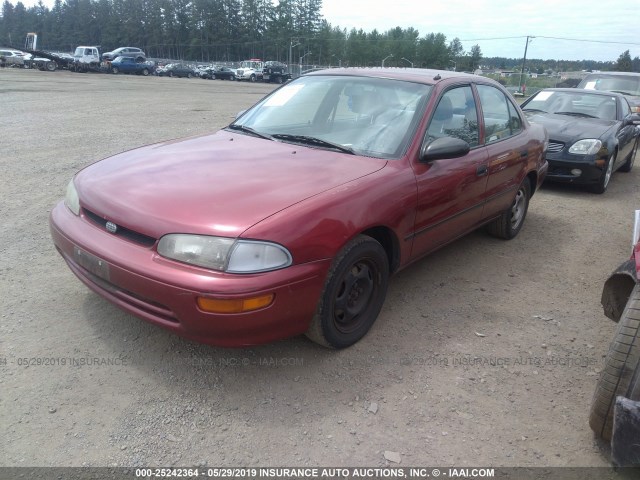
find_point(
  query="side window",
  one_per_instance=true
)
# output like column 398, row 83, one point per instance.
column 626, row 110
column 495, row 109
column 455, row 116
column 515, row 122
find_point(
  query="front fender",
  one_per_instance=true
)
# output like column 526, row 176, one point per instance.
column 617, row 289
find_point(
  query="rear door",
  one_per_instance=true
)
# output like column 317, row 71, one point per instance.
column 502, row 137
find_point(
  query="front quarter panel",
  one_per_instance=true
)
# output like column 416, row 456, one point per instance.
column 318, row 227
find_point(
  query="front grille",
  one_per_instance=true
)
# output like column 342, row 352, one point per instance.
column 123, row 232
column 555, row 147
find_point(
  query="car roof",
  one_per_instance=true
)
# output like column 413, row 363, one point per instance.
column 421, row 75
column 582, row 91
column 614, row 74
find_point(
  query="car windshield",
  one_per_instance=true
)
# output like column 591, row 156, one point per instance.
column 629, row 85
column 367, row 116
column 578, row 104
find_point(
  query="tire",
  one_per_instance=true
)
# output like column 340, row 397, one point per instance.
column 171, row 74
column 278, row 79
column 252, row 78
column 628, row 165
column 213, row 76
column 603, row 183
column 353, row 294
column 115, row 70
column 507, row 225
column 51, row 66
column 189, row 75
column 621, row 374
column 145, row 71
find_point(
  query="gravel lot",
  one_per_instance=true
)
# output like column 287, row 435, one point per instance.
column 486, row 353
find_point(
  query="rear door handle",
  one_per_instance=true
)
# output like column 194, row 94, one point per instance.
column 482, row 170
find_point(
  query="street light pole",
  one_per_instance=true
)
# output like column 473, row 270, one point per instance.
column 407, row 61
column 291, row 45
column 385, row 58
column 302, row 58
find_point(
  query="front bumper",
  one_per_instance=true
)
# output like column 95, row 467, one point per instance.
column 164, row 292
column 560, row 170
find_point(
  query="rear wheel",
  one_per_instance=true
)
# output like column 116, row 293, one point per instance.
column 628, row 165
column 171, row 74
column 508, row 224
column 115, row 70
column 145, row 71
column 189, row 75
column 51, row 66
column 621, row 374
column 353, row 294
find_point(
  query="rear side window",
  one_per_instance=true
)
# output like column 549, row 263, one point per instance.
column 501, row 118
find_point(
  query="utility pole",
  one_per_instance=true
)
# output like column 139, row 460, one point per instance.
column 524, row 59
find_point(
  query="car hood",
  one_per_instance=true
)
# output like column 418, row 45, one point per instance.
column 216, row 184
column 566, row 127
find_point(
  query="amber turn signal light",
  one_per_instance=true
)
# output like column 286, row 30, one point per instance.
column 239, row 305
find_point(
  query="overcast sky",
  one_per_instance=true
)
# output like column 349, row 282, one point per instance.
column 600, row 29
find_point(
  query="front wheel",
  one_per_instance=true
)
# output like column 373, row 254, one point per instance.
column 621, row 374
column 353, row 294
column 507, row 225
column 189, row 75
column 115, row 70
column 145, row 71
column 628, row 165
column 603, row 183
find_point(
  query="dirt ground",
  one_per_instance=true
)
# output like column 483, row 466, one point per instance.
column 486, row 353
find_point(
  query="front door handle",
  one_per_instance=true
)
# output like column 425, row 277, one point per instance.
column 482, row 170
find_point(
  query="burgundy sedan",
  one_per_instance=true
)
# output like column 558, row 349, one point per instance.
column 291, row 219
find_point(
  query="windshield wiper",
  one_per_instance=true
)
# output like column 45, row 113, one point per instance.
column 313, row 141
column 249, row 130
column 534, row 110
column 575, row 114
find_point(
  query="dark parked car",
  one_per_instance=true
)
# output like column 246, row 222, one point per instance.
column 292, row 218
column 591, row 134
column 134, row 52
column 627, row 83
column 176, row 70
column 219, row 73
column 129, row 65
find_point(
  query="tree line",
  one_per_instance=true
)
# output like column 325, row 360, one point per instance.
column 232, row 30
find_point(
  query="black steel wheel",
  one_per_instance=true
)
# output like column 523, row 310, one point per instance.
column 507, row 225
column 353, row 294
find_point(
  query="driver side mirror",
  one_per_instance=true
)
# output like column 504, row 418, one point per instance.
column 443, row 148
column 633, row 119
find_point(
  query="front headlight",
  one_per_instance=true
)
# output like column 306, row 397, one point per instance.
column 224, row 254
column 588, row 146
column 71, row 199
